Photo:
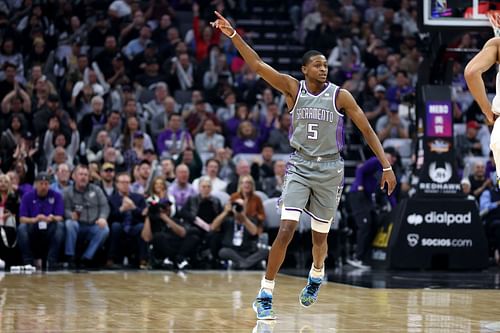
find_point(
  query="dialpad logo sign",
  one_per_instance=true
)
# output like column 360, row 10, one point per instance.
column 434, row 217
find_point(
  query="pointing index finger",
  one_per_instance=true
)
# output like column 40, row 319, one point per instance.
column 218, row 15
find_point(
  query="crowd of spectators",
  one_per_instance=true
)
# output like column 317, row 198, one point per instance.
column 122, row 123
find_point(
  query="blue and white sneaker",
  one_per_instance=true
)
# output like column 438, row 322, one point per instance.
column 309, row 295
column 263, row 306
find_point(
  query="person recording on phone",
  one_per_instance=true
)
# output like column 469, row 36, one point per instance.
column 240, row 224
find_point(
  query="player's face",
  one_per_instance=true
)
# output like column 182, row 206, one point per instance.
column 316, row 69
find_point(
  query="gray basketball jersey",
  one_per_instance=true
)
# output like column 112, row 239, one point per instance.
column 317, row 126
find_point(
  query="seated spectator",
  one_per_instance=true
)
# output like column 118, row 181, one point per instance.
column 195, row 120
column 273, row 185
column 17, row 101
column 141, row 184
column 136, row 153
column 212, row 167
column 199, row 212
column 227, row 111
column 127, row 222
column 54, row 139
column 40, row 215
column 489, row 207
column 112, row 127
column 86, row 212
column 9, row 206
column 242, row 169
column 191, row 158
column 278, row 137
column 159, row 191
column 165, row 233
column 173, row 139
column 478, row 180
column 227, row 167
column 208, row 141
column 241, row 223
column 231, row 125
column 11, row 138
column 94, row 152
column 181, row 189
column 107, row 182
column 96, row 117
column 252, row 202
column 167, row 170
column 248, row 140
column 391, row 125
column 263, row 167
column 151, row 74
column 468, row 144
column 159, row 121
column 62, row 178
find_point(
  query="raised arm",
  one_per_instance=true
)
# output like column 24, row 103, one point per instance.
column 486, row 58
column 282, row 82
column 347, row 103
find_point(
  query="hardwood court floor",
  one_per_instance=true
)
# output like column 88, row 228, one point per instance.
column 220, row 301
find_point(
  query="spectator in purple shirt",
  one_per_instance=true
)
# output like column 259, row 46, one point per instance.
column 181, row 189
column 248, row 140
column 41, row 215
column 396, row 94
column 173, row 139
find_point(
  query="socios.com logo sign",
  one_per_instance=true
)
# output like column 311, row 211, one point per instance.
column 412, row 239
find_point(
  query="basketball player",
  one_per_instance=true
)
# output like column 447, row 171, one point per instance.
column 315, row 173
column 487, row 57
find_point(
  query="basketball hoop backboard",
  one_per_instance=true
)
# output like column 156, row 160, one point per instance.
column 455, row 14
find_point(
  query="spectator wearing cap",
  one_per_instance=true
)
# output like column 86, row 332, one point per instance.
column 99, row 34
column 41, row 214
column 86, row 211
column 62, row 178
column 151, row 74
column 142, row 178
column 127, row 223
column 50, row 109
column 107, row 182
column 468, row 144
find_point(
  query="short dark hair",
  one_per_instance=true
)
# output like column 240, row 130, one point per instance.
column 306, row 58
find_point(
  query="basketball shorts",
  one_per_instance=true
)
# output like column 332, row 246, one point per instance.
column 313, row 187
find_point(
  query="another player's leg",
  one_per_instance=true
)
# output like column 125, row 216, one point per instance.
column 309, row 295
column 263, row 302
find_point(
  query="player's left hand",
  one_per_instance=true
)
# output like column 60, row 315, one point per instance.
column 389, row 178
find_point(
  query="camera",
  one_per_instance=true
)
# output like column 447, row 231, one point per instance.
column 238, row 208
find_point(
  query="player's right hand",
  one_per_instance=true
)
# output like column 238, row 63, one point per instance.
column 222, row 24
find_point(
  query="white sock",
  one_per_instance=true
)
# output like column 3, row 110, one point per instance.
column 267, row 285
column 317, row 272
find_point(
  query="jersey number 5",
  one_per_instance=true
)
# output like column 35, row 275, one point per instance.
column 312, row 131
